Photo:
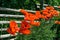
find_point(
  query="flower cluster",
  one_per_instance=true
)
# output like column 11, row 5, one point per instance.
column 31, row 17
column 49, row 12
column 24, row 29
column 46, row 14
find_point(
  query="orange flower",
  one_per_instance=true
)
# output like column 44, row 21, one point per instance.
column 49, row 15
column 25, row 24
column 35, row 23
column 31, row 17
column 13, row 28
column 13, row 25
column 45, row 13
column 10, row 31
column 55, row 13
column 42, row 16
column 26, row 18
column 25, row 31
column 37, row 14
column 50, row 8
column 45, row 10
column 24, row 12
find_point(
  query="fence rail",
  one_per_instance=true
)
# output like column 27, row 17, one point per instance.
column 3, row 29
column 6, row 35
column 15, row 10
column 3, row 22
column 18, row 10
column 8, row 15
